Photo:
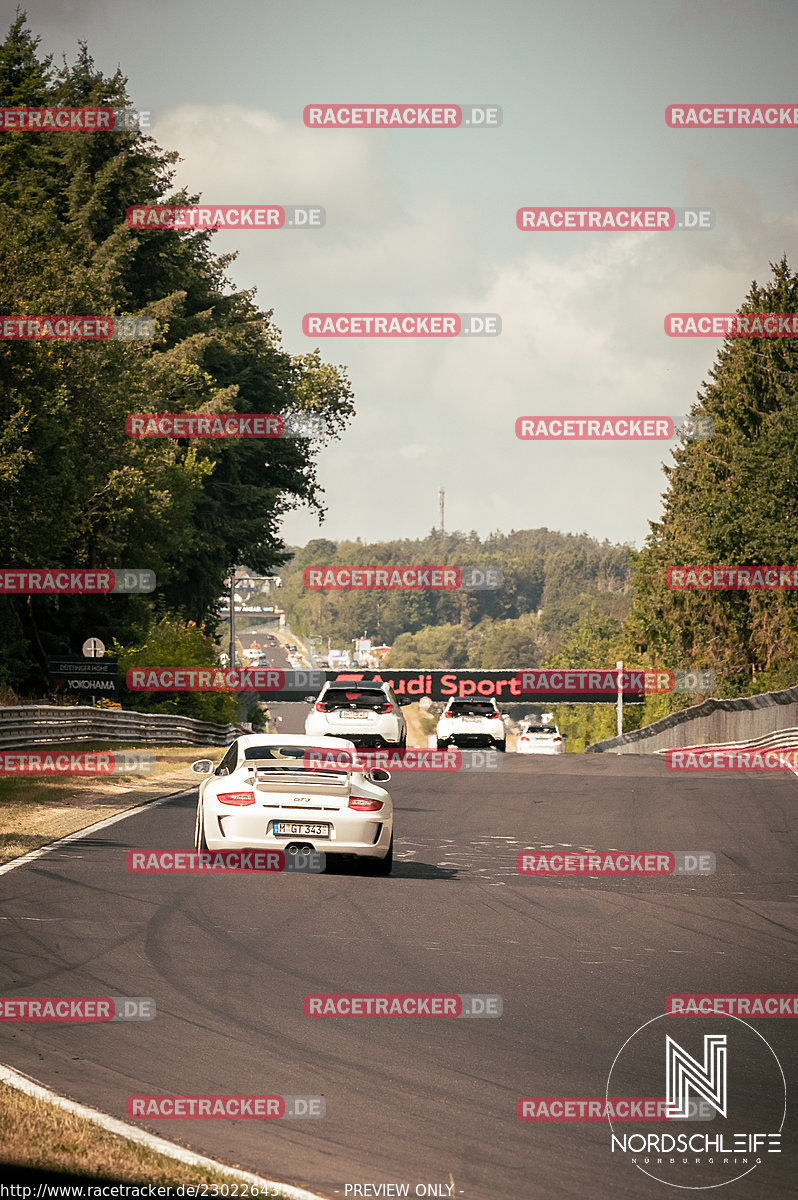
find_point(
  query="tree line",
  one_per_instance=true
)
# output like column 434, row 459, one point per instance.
column 75, row 490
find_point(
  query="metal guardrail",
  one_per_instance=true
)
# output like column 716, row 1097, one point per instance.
column 713, row 722
column 779, row 739
column 36, row 724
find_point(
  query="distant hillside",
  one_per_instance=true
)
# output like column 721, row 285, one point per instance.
column 550, row 580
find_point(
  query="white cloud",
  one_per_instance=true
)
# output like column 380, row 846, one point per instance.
column 582, row 324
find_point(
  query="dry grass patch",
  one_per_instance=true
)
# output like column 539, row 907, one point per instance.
column 35, row 810
column 40, row 1135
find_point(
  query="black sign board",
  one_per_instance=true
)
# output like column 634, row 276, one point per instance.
column 502, row 686
column 84, row 676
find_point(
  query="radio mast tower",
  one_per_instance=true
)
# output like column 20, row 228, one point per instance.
column 441, row 497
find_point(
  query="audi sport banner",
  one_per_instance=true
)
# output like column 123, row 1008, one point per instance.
column 510, row 686
column 565, row 686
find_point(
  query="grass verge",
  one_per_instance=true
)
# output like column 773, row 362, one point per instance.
column 35, row 810
column 42, row 1136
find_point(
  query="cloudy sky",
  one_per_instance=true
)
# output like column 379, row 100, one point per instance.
column 424, row 221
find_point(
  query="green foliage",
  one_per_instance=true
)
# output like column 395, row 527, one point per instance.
column 171, row 643
column 731, row 500
column 75, row 491
column 575, row 570
column 435, row 646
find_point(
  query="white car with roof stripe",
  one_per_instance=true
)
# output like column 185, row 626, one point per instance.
column 367, row 713
column 471, row 722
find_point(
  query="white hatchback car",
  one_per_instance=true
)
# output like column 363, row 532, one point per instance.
column 539, row 739
column 471, row 723
column 368, row 714
column 266, row 793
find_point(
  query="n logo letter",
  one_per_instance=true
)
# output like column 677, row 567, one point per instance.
column 684, row 1074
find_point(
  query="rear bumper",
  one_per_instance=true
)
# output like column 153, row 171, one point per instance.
column 371, row 739
column 540, row 750
column 367, row 835
column 472, row 739
column 384, row 733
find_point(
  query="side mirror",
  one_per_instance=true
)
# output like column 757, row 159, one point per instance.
column 203, row 766
column 378, row 775
column 309, row 699
column 404, row 700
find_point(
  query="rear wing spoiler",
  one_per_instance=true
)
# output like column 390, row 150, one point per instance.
column 330, row 763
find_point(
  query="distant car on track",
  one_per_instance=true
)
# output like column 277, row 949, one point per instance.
column 267, row 794
column 471, row 723
column 369, row 714
column 539, row 739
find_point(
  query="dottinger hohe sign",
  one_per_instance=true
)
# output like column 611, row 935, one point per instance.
column 84, row 675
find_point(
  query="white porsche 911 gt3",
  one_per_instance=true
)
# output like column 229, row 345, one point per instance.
column 269, row 792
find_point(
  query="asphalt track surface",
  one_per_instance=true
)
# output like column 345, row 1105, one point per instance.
column 580, row 964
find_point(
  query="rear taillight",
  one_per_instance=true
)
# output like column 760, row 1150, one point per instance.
column 385, row 708
column 362, row 804
column 321, row 706
column 240, row 799
column 555, row 740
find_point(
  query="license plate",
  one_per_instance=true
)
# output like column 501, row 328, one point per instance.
column 301, row 829
column 349, row 715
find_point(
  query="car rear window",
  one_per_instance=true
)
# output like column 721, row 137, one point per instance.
column 542, row 729
column 466, row 709
column 286, row 756
column 341, row 698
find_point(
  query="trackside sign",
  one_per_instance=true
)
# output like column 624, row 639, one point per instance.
column 507, row 686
